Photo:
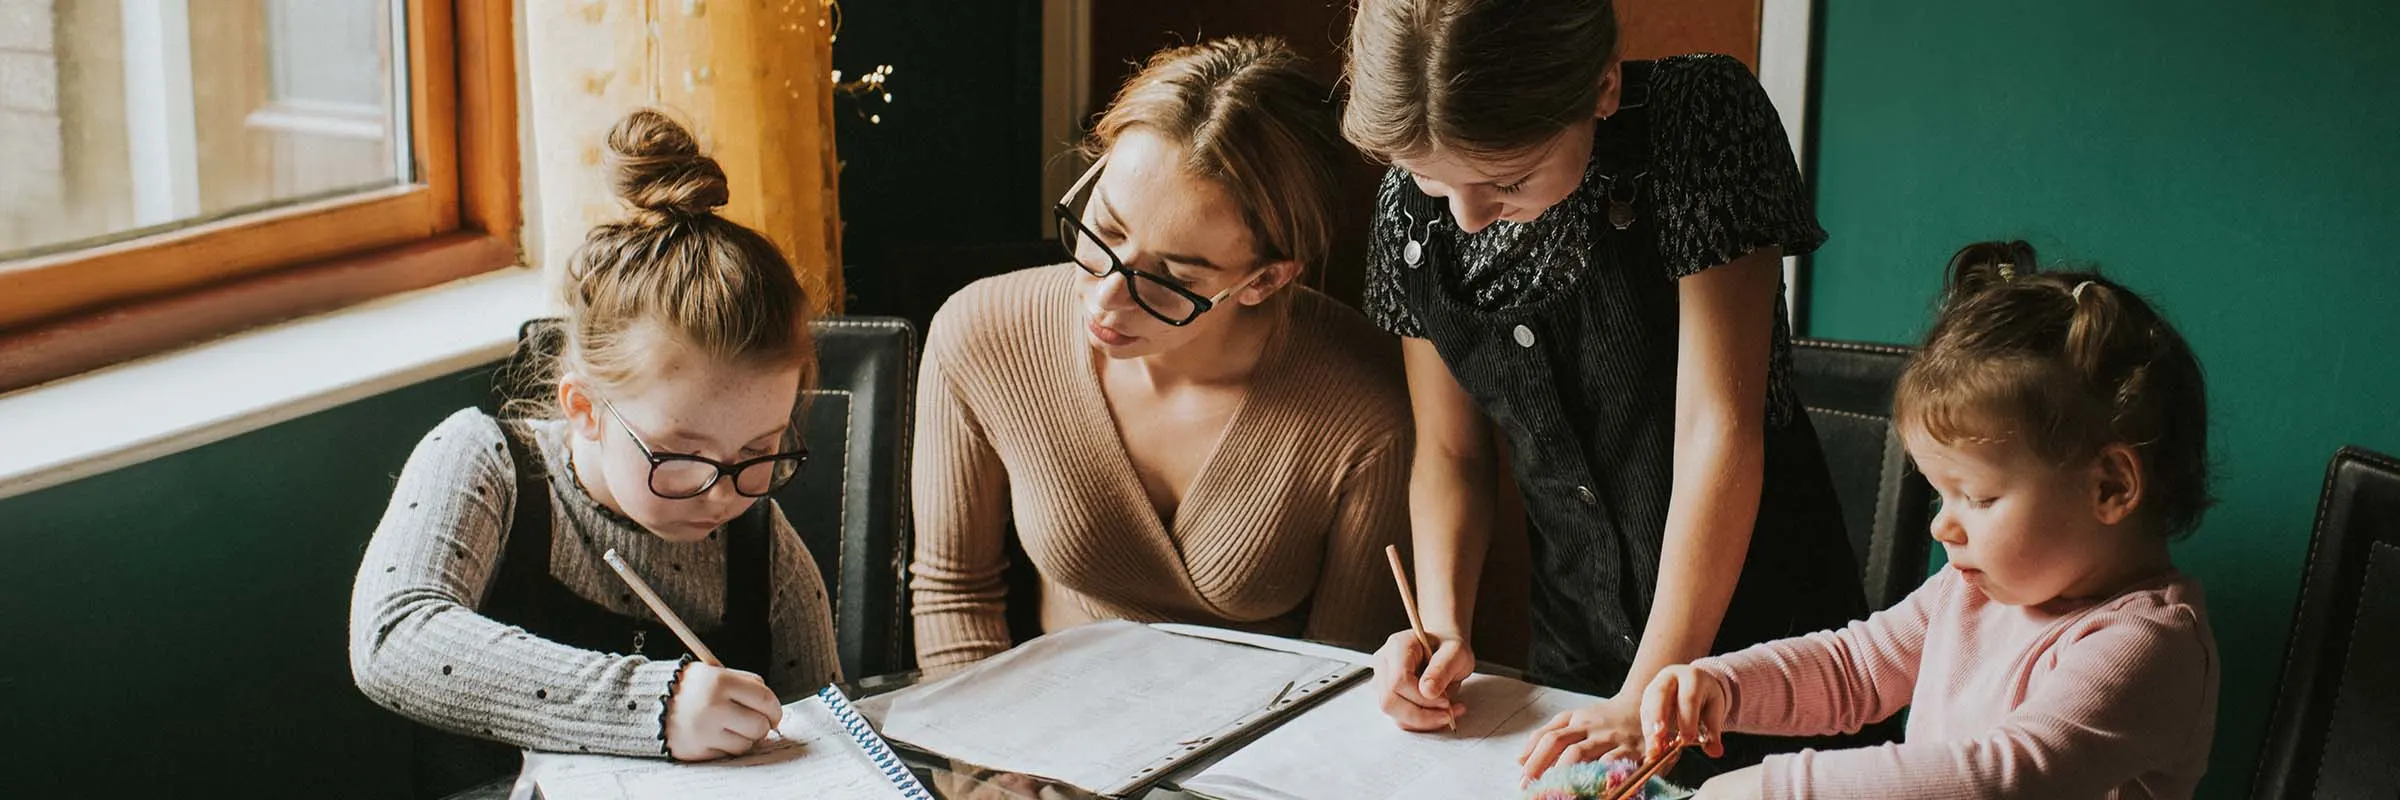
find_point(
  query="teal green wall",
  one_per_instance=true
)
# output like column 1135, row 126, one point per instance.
column 2239, row 162
column 179, row 625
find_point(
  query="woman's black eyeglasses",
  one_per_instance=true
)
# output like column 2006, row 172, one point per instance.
column 1162, row 296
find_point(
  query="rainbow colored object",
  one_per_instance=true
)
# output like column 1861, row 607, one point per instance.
column 1588, row 780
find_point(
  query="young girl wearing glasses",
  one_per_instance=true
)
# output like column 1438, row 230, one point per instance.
column 1177, row 430
column 483, row 609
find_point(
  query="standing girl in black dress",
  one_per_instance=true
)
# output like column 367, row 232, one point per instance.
column 1583, row 255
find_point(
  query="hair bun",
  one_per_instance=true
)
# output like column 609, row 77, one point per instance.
column 658, row 167
column 1982, row 265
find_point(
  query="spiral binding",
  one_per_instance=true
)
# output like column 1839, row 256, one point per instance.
column 889, row 763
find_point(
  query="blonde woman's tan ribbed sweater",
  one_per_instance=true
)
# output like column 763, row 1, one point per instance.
column 1280, row 532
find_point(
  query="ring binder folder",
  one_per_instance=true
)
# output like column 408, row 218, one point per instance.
column 1111, row 707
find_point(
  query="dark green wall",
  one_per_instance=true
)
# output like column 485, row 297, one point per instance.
column 180, row 624
column 2239, row 162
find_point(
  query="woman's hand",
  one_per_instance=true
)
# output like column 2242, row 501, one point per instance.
column 1609, row 728
column 1418, row 693
column 718, row 712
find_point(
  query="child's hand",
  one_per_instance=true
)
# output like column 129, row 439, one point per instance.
column 1416, row 694
column 1688, row 703
column 1608, row 728
column 718, row 712
column 1746, row 783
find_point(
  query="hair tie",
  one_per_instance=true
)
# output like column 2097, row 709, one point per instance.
column 2008, row 272
column 2078, row 291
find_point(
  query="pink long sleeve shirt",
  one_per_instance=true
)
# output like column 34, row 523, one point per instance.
column 2115, row 698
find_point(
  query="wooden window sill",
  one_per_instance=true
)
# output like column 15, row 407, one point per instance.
column 77, row 344
column 136, row 411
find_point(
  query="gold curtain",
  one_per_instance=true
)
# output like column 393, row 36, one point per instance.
column 752, row 78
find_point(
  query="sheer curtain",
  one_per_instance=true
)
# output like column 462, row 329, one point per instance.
column 752, row 79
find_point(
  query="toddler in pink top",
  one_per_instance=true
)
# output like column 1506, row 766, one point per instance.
column 2059, row 654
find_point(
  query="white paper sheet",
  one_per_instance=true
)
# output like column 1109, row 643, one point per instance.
column 1104, row 707
column 815, row 760
column 1346, row 748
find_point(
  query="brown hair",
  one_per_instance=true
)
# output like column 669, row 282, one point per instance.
column 1250, row 118
column 2069, row 363
column 1480, row 77
column 675, row 266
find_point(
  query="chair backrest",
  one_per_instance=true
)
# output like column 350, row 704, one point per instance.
column 1886, row 504
column 850, row 504
column 2336, row 728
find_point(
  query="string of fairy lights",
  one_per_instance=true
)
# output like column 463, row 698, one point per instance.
column 868, row 87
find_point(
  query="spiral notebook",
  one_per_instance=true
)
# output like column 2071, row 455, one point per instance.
column 1110, row 707
column 826, row 751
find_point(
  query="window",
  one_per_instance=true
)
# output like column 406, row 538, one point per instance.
column 185, row 168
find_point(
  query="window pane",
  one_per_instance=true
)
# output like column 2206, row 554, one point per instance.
column 130, row 117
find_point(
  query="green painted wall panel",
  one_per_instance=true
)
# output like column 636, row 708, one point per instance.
column 2239, row 162
column 179, row 625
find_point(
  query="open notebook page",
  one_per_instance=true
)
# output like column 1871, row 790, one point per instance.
column 1105, row 707
column 815, row 760
column 1345, row 747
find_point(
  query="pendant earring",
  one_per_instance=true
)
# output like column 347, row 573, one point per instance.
column 1413, row 253
column 1620, row 207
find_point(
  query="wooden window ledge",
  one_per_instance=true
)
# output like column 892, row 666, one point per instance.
column 140, row 410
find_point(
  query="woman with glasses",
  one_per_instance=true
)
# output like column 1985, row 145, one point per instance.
column 1177, row 430
column 483, row 610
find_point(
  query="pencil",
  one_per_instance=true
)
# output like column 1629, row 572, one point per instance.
column 1651, row 768
column 1408, row 600
column 691, row 641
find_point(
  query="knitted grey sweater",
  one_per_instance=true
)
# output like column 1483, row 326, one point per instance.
column 418, row 647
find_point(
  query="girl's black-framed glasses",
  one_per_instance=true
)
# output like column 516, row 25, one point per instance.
column 680, row 476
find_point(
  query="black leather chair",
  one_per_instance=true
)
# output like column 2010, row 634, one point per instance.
column 850, row 504
column 2336, row 728
column 1886, row 504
